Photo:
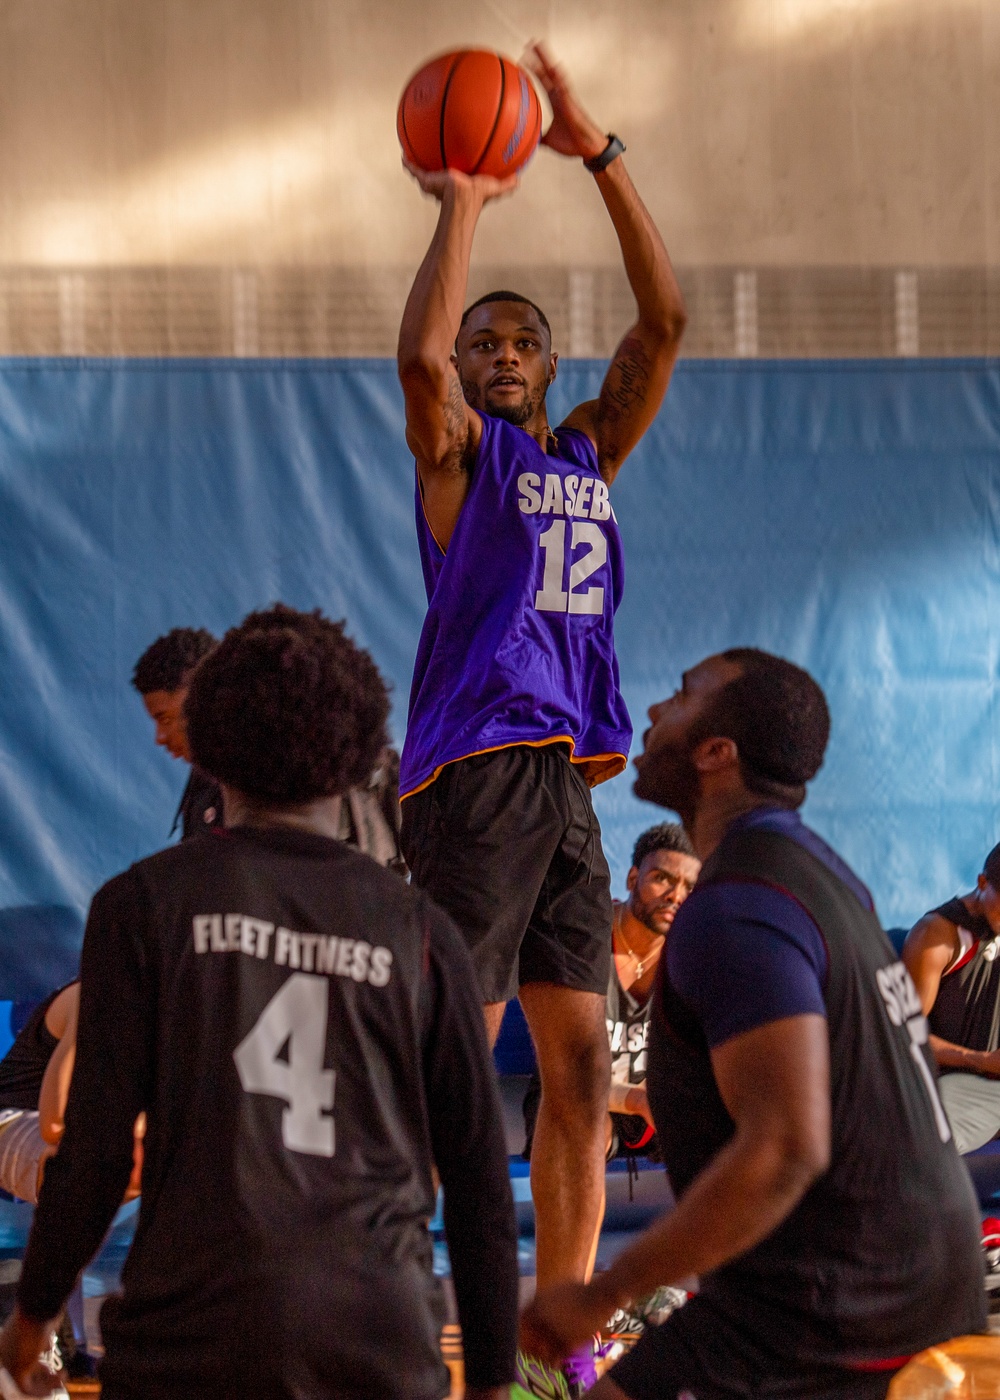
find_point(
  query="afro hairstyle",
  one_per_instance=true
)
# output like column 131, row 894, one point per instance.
column 287, row 709
column 167, row 664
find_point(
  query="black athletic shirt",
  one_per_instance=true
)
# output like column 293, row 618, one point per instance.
column 23, row 1067
column 881, row 1257
column 305, row 1033
column 966, row 1010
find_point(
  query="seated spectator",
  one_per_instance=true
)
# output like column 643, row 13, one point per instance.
column 951, row 954
column 663, row 874
column 369, row 816
column 35, row 1076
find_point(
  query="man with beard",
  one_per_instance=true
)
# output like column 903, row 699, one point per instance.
column 820, row 1197
column 515, row 709
column 663, row 873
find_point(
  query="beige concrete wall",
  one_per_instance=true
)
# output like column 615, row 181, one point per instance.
column 761, row 132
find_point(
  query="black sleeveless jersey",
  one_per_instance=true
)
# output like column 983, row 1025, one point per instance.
column 966, row 1010
column 305, row 1034
column 23, row 1067
column 881, row 1257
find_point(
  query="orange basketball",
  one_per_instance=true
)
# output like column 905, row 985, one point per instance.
column 472, row 110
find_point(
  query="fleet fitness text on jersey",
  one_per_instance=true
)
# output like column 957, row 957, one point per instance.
column 308, row 952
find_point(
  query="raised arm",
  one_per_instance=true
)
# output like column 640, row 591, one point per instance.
column 639, row 373
column 442, row 431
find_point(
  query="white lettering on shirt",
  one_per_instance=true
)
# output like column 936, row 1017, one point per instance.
column 529, row 501
column 552, row 501
column 312, row 952
column 600, row 506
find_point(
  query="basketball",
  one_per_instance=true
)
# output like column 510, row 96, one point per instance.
column 472, row 110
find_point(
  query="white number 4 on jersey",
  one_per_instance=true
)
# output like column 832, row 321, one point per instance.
column 297, row 1015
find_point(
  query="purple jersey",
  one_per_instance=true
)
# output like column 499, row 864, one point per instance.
column 518, row 643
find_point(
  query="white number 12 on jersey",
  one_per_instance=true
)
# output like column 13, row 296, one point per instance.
column 552, row 596
column 296, row 1014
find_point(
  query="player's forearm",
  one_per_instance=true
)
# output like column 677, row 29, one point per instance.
column 951, row 1056
column 742, row 1195
column 647, row 263
column 481, row 1231
column 437, row 298
column 77, row 1203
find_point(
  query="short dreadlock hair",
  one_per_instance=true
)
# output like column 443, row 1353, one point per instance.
column 168, row 663
column 287, row 709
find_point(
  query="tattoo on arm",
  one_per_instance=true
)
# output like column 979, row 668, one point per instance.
column 623, row 400
column 627, row 380
column 454, row 409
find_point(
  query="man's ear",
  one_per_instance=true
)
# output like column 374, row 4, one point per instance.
column 632, row 879
column 981, row 882
column 454, row 359
column 553, row 365
column 714, row 755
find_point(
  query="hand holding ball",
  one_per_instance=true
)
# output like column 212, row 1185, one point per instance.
column 471, row 110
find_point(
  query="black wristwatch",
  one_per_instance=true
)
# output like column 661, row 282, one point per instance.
column 611, row 152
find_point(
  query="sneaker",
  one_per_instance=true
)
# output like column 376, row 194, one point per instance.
column 627, row 1325
column 659, row 1305
column 52, row 1361
column 580, row 1371
column 623, row 1326
column 537, row 1381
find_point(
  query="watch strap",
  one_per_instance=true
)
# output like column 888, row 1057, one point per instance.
column 611, row 152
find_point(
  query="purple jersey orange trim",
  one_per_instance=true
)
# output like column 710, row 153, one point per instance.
column 597, row 769
column 518, row 643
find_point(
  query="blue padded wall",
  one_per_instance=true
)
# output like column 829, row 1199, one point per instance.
column 845, row 514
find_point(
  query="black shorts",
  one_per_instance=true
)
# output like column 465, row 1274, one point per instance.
column 507, row 843
column 699, row 1354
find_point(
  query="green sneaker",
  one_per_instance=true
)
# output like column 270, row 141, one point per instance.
column 536, row 1381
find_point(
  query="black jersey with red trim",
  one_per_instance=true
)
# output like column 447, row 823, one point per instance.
column 881, row 1257
column 966, row 1010
column 305, row 1035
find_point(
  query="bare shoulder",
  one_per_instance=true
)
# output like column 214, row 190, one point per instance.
column 933, row 931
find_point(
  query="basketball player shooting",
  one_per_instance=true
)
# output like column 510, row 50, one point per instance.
column 515, row 710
